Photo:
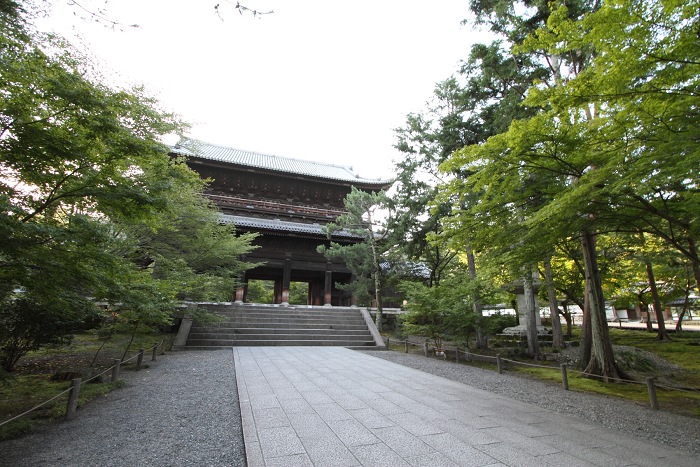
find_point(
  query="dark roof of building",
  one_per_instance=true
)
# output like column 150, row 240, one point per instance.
column 407, row 268
column 202, row 150
column 280, row 225
column 681, row 301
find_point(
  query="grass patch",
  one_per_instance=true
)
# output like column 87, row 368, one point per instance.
column 634, row 392
column 91, row 342
column 681, row 351
column 31, row 383
column 25, row 392
column 627, row 391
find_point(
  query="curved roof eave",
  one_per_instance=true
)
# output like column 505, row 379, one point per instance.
column 283, row 165
column 280, row 226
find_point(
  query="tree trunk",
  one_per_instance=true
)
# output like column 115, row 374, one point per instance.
column 694, row 263
column 377, row 285
column 567, row 317
column 681, row 315
column 557, row 335
column 586, row 338
column 602, row 363
column 471, row 264
column 482, row 339
column 136, row 325
column 663, row 336
column 644, row 308
column 533, row 346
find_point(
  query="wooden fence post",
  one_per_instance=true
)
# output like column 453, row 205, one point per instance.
column 115, row 370
column 457, row 355
column 564, row 377
column 139, row 360
column 163, row 343
column 155, row 352
column 652, row 394
column 73, row 398
column 467, row 354
column 425, row 349
column 499, row 363
column 406, row 346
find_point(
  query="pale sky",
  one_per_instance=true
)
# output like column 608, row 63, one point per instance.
column 326, row 81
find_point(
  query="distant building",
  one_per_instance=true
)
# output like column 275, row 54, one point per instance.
column 286, row 201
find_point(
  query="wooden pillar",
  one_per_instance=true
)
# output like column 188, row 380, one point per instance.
column 277, row 291
column 328, row 285
column 286, row 278
column 240, row 291
column 353, row 298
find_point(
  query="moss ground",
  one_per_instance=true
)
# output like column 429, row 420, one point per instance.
column 31, row 383
column 677, row 365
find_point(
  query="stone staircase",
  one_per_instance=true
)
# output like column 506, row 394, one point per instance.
column 275, row 325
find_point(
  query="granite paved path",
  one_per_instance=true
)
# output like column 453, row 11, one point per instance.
column 311, row 406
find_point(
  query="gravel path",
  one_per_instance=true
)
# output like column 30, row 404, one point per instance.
column 663, row 427
column 181, row 411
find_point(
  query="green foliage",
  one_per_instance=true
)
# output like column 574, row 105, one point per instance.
column 358, row 258
column 189, row 247
column 609, row 146
column 618, row 111
column 76, row 157
column 427, row 308
column 467, row 111
column 298, row 293
column 260, row 291
column 91, row 205
column 27, row 324
column 363, row 220
column 447, row 311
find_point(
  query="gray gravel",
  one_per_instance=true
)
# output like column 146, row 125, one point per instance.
column 663, row 427
column 181, row 411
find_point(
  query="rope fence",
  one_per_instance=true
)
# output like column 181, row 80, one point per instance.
column 74, row 390
column 650, row 382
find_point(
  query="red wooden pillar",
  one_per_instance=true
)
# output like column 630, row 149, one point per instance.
column 286, row 278
column 353, row 298
column 240, row 291
column 328, row 285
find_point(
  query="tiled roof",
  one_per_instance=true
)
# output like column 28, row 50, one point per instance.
column 200, row 149
column 407, row 268
column 282, row 226
column 681, row 300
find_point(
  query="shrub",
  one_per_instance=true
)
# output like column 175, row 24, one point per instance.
column 26, row 325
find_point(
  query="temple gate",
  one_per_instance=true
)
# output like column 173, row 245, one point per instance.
column 287, row 201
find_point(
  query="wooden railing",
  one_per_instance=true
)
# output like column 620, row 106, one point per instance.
column 273, row 206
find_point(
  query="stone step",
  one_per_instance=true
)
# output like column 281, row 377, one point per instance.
column 329, row 330
column 258, row 325
column 235, row 314
column 223, row 343
column 280, row 336
column 310, row 327
column 300, row 308
column 277, row 322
